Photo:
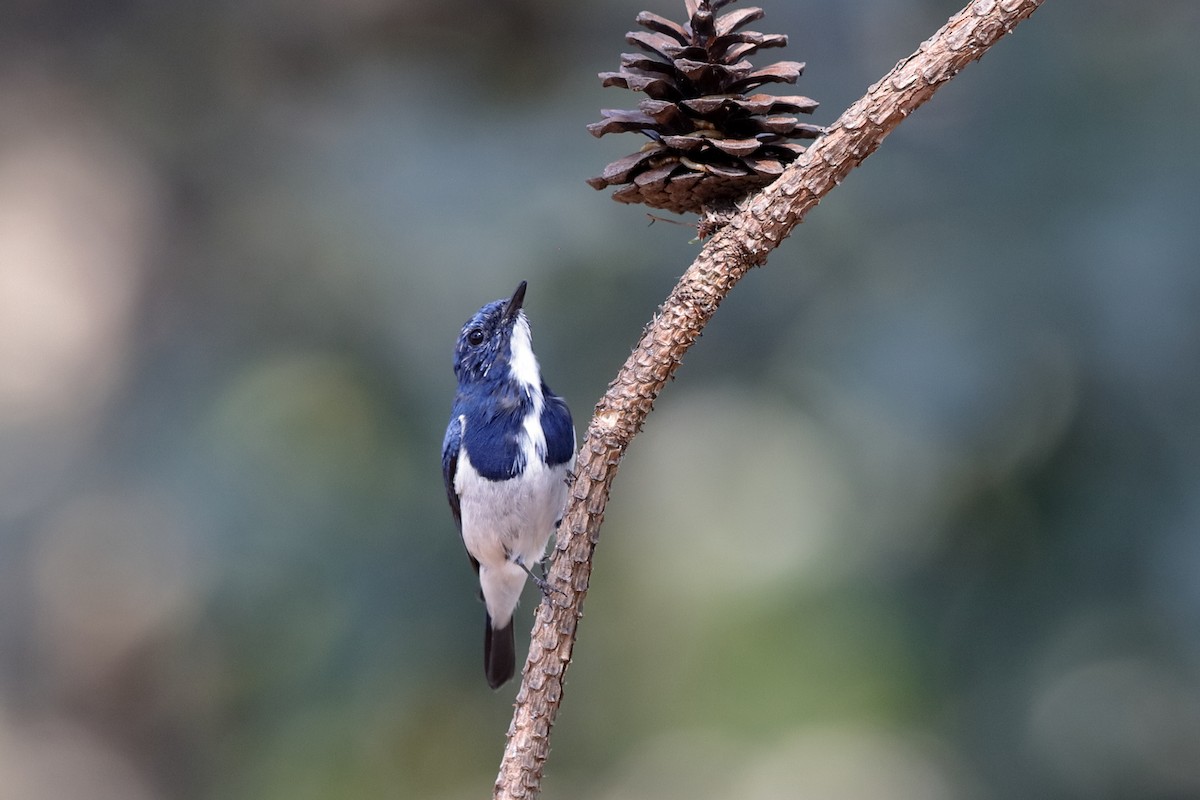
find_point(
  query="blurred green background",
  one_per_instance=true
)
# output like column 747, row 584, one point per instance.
column 919, row 519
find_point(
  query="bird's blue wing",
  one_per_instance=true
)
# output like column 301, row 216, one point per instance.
column 558, row 427
column 451, row 444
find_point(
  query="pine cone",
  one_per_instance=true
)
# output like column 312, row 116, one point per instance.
column 710, row 141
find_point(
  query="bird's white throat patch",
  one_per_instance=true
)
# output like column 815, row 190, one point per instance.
column 524, row 366
column 523, row 362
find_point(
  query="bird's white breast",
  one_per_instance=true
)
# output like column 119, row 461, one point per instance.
column 503, row 521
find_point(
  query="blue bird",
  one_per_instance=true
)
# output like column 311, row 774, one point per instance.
column 508, row 450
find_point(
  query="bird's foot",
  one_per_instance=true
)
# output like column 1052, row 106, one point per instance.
column 538, row 580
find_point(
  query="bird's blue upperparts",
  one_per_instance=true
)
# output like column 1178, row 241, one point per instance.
column 505, row 458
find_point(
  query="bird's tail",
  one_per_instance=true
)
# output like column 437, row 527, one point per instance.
column 499, row 654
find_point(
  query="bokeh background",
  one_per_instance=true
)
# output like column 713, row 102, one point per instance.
column 919, row 519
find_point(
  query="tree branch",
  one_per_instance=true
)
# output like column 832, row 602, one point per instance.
column 758, row 227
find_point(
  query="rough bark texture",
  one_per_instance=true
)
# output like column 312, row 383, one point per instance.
column 751, row 233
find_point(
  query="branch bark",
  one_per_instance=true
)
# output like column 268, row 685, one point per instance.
column 744, row 242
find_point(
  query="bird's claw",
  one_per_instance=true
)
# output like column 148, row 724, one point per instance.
column 540, row 582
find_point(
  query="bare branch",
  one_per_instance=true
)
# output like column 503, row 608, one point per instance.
column 751, row 234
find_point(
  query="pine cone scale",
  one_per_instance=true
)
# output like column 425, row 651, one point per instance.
column 662, row 25
column 736, row 19
column 658, row 44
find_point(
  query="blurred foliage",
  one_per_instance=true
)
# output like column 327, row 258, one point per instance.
column 918, row 519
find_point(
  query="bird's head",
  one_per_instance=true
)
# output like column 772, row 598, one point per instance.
column 495, row 344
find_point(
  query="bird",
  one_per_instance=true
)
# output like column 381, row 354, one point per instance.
column 506, row 457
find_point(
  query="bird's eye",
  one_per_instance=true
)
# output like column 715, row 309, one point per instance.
column 474, row 337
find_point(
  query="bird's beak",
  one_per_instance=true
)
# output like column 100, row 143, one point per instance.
column 514, row 305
